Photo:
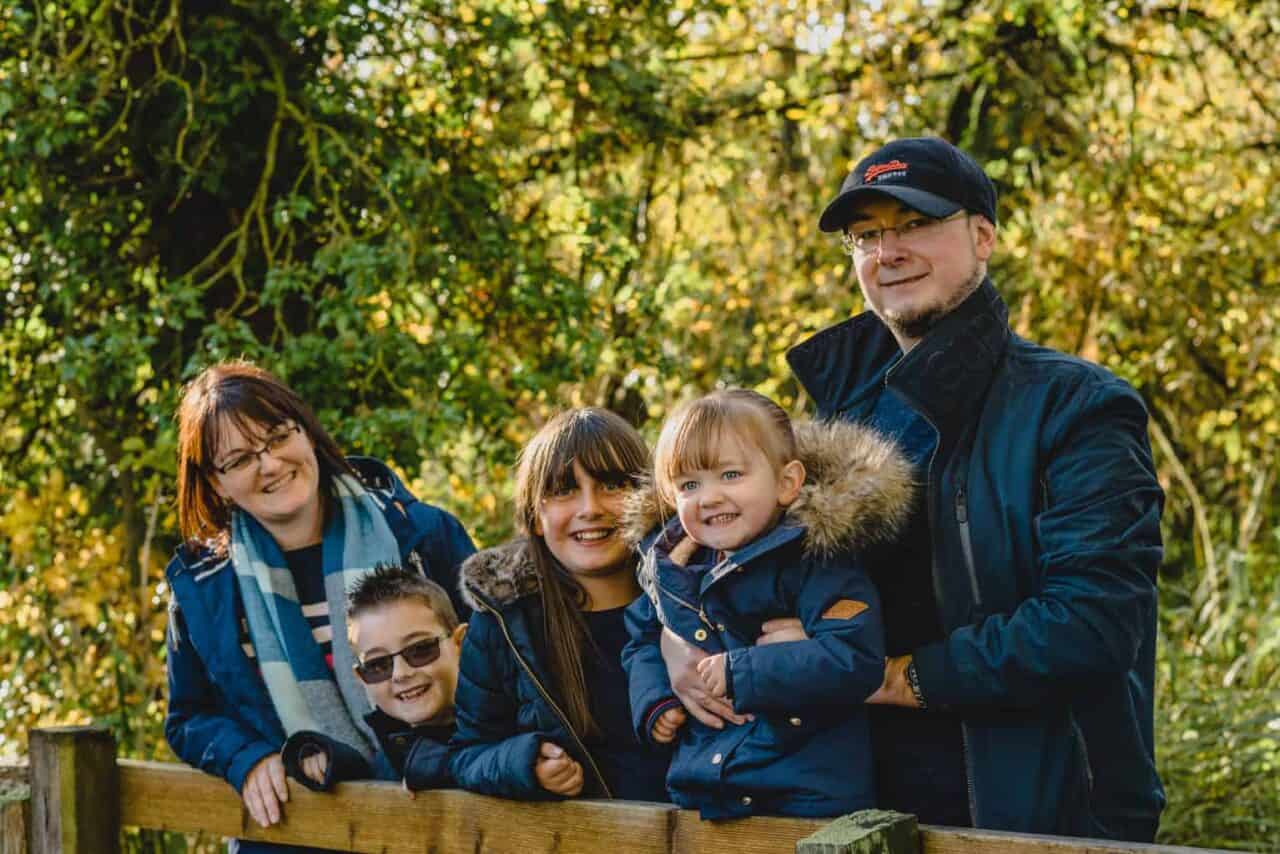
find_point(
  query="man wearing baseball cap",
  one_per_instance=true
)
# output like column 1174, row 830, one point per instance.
column 1020, row 604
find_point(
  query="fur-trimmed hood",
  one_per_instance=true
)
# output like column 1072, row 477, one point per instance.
column 498, row 576
column 857, row 491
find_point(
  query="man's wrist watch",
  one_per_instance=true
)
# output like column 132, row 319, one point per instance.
column 913, row 682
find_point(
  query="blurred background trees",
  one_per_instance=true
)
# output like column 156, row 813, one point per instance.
column 441, row 221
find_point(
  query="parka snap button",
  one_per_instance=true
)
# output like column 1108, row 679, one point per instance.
column 715, row 760
column 700, row 634
column 719, row 627
column 746, row 800
column 796, row 722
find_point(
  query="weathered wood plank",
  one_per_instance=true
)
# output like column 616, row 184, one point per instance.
column 740, row 836
column 950, row 840
column 381, row 817
column 74, row 800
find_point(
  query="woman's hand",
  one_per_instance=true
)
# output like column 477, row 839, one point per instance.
column 556, row 771
column 265, row 790
column 314, row 767
column 682, row 660
column 668, row 724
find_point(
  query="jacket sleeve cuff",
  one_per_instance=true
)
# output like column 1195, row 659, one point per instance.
column 656, row 711
column 931, row 662
column 245, row 761
column 343, row 761
column 427, row 766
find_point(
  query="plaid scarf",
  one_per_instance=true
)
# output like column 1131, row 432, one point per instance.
column 306, row 695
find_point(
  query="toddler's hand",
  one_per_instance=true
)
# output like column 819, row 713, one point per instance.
column 712, row 671
column 668, row 724
column 314, row 767
column 556, row 771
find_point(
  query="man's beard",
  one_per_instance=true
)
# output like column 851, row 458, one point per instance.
column 916, row 323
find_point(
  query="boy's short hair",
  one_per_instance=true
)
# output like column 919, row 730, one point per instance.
column 393, row 583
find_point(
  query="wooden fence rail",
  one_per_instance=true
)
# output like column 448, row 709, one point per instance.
column 81, row 796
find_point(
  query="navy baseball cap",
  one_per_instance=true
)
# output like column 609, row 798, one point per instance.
column 925, row 173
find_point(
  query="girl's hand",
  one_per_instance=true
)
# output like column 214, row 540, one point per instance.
column 712, row 671
column 556, row 771
column 682, row 659
column 265, row 790
column 668, row 724
column 314, row 767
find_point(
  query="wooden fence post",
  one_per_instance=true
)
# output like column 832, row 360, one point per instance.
column 15, row 810
column 75, row 791
column 865, row 832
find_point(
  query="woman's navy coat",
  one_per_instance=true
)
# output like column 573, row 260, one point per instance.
column 220, row 717
column 807, row 751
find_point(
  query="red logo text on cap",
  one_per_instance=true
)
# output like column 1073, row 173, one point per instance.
column 892, row 169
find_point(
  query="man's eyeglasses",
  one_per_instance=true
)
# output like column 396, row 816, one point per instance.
column 380, row 667
column 275, row 442
column 865, row 239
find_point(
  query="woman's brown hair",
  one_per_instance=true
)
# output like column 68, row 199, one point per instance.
column 241, row 394
column 611, row 451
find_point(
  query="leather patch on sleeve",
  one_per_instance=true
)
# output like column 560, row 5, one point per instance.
column 845, row 609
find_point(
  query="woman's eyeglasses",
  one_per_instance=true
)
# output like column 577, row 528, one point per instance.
column 380, row 667
column 273, row 444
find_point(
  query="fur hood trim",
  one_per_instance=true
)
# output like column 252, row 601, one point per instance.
column 857, row 491
column 498, row 576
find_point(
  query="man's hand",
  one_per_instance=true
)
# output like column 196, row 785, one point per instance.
column 265, row 790
column 781, row 630
column 314, row 767
column 682, row 660
column 556, row 771
column 895, row 691
column 668, row 724
column 712, row 671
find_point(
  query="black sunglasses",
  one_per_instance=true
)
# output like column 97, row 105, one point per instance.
column 417, row 654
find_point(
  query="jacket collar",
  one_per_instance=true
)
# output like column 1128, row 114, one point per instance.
column 944, row 377
column 858, row 490
column 497, row 577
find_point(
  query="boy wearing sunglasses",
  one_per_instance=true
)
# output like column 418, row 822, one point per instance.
column 406, row 638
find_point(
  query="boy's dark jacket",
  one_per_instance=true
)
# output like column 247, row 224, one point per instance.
column 507, row 704
column 417, row 755
column 220, row 717
column 1045, row 516
column 807, row 751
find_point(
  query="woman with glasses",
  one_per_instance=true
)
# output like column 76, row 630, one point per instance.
column 277, row 524
column 543, row 709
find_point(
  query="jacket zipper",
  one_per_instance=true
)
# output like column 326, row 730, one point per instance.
column 966, row 545
column 702, row 614
column 937, row 588
column 564, row 719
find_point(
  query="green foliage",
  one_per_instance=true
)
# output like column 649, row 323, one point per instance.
column 441, row 221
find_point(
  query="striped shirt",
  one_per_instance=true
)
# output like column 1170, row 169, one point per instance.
column 307, row 567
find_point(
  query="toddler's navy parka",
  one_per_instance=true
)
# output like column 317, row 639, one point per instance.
column 807, row 751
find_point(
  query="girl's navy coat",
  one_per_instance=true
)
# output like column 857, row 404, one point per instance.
column 506, row 703
column 808, row 750
column 220, row 717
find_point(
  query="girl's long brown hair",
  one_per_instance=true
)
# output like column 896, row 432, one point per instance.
column 242, row 394
column 611, row 451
